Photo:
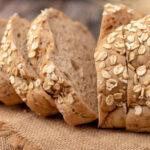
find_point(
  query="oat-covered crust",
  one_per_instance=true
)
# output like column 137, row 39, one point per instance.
column 7, row 94
column 130, row 109
column 114, row 16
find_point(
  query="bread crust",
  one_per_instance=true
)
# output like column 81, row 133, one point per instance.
column 7, row 94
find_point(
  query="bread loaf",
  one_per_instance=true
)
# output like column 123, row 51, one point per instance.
column 7, row 94
column 123, row 77
column 17, row 67
column 61, row 51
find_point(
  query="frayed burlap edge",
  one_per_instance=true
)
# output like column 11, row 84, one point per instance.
column 10, row 139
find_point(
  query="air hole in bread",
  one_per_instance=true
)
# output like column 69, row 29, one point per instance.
column 75, row 65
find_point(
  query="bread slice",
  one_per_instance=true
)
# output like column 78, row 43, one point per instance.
column 110, row 59
column 21, row 75
column 114, row 16
column 7, row 94
column 61, row 51
column 137, row 41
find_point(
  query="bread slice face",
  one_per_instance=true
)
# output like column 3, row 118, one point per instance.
column 61, row 51
column 21, row 75
column 7, row 94
column 111, row 66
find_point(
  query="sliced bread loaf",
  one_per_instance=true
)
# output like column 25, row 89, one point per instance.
column 111, row 66
column 23, row 78
column 7, row 94
column 137, row 41
column 114, row 16
column 61, row 51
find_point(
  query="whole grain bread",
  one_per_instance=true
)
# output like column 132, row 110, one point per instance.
column 110, row 60
column 7, row 94
column 61, row 51
column 16, row 65
column 124, row 105
column 114, row 16
column 137, row 42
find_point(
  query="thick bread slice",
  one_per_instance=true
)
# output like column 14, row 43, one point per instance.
column 137, row 41
column 62, row 53
column 23, row 78
column 111, row 80
column 110, row 58
column 114, row 16
column 7, row 94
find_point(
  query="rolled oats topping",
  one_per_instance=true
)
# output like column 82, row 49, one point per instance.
column 118, row 69
column 107, row 46
column 141, row 70
column 148, row 42
column 49, row 68
column 12, row 79
column 34, row 27
column 132, row 46
column 31, row 54
column 144, row 37
column 113, row 59
column 148, row 103
column 138, row 110
column 54, row 77
column 119, row 44
column 105, row 74
column 137, row 88
column 147, row 93
column 141, row 50
column 131, row 56
column 125, row 74
column 130, row 38
column 110, row 39
column 101, row 65
column 100, row 56
column 30, row 86
column 111, row 83
column 110, row 100
column 70, row 99
column 37, row 83
column 109, row 8
column 142, row 93
column 118, row 96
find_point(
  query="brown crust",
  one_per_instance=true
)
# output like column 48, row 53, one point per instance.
column 7, row 94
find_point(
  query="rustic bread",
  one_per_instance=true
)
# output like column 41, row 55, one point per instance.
column 7, row 94
column 114, row 16
column 61, row 51
column 110, row 59
column 21, row 75
column 137, row 42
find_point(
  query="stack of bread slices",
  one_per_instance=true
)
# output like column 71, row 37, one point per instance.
column 51, row 65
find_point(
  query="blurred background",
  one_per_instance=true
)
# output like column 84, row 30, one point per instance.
column 86, row 11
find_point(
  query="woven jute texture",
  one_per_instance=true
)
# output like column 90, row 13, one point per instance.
column 21, row 129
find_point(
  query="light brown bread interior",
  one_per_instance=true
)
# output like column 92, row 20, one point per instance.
column 70, row 49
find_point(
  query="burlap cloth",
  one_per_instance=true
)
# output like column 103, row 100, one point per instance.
column 20, row 129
